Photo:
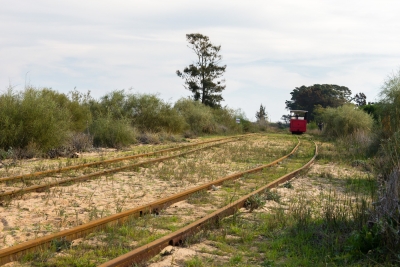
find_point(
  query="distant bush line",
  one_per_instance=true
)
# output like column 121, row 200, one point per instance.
column 39, row 121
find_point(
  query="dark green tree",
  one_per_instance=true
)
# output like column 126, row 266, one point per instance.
column 203, row 78
column 360, row 99
column 286, row 118
column 325, row 95
column 261, row 115
column 372, row 109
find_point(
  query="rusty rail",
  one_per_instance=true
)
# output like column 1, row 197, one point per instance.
column 14, row 253
column 80, row 166
column 150, row 250
column 43, row 187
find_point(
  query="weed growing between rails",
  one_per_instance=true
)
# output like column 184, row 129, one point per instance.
column 113, row 241
column 57, row 175
column 189, row 212
column 220, row 161
column 104, row 245
column 260, row 151
column 309, row 221
column 13, row 167
column 122, row 188
column 86, row 201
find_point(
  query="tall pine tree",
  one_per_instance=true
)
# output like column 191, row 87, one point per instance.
column 204, row 77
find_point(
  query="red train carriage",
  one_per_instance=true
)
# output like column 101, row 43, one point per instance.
column 298, row 121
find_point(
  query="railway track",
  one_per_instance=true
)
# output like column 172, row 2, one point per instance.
column 147, row 251
column 18, row 251
column 105, row 162
column 48, row 184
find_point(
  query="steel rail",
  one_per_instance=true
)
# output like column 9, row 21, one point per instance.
column 43, row 187
column 150, row 250
column 14, row 253
column 80, row 166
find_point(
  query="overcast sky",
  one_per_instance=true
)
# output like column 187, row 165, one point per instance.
column 269, row 47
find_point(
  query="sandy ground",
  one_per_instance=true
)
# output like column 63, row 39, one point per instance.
column 311, row 188
column 311, row 185
column 37, row 214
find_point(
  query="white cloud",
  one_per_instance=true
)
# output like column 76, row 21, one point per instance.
column 270, row 47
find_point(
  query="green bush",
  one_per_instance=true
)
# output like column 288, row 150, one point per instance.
column 248, row 126
column 345, row 120
column 146, row 112
column 245, row 124
column 365, row 240
column 77, row 105
column 389, row 105
column 79, row 108
column 148, row 138
column 360, row 144
column 32, row 116
column 112, row 104
column 312, row 125
column 109, row 132
column 226, row 120
column 198, row 117
column 382, row 240
column 150, row 113
column 388, row 156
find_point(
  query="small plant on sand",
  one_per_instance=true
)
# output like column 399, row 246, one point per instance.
column 254, row 202
column 272, row 195
column 288, row 185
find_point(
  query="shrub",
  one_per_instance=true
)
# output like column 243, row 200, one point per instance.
column 110, row 132
column 389, row 154
column 312, row 126
column 146, row 112
column 254, row 202
column 148, row 138
column 150, row 113
column 360, row 143
column 79, row 108
column 272, row 195
column 390, row 103
column 80, row 142
column 226, row 120
column 164, row 136
column 113, row 104
column 346, row 120
column 365, row 240
column 248, row 126
column 262, row 125
column 77, row 105
column 245, row 124
column 381, row 235
column 198, row 117
column 28, row 152
column 32, row 116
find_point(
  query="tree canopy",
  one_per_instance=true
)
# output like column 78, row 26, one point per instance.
column 261, row 115
column 360, row 99
column 325, row 95
column 203, row 78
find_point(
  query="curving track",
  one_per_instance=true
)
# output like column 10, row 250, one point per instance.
column 176, row 238
column 15, row 252
column 106, row 162
column 47, row 185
